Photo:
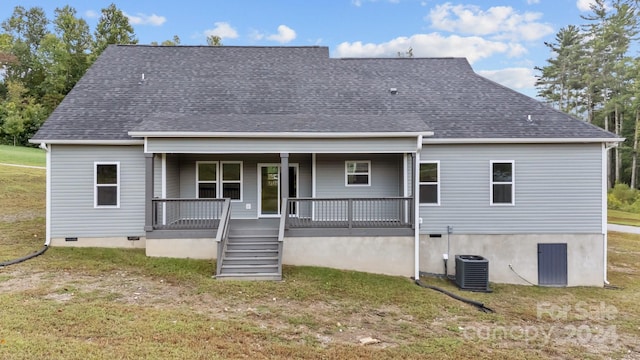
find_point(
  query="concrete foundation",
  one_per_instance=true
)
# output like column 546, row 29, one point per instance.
column 390, row 255
column 198, row 248
column 585, row 262
column 105, row 242
column 394, row 255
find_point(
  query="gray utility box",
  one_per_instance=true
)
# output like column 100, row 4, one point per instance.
column 472, row 272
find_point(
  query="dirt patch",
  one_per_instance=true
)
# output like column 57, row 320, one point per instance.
column 325, row 322
column 21, row 216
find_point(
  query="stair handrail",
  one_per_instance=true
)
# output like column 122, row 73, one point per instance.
column 284, row 215
column 222, row 235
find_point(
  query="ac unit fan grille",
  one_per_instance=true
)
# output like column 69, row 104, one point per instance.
column 472, row 272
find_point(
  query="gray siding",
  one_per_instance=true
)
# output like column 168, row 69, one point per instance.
column 558, row 189
column 187, row 178
column 275, row 146
column 385, row 175
column 72, row 188
column 173, row 177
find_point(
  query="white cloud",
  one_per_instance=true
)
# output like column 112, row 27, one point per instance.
column 91, row 14
column 531, row 2
column 584, row 5
column 285, row 34
column 515, row 78
column 223, row 30
column 499, row 22
column 144, row 19
column 256, row 35
column 473, row 48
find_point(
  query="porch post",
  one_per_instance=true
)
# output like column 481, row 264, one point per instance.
column 148, row 192
column 284, row 176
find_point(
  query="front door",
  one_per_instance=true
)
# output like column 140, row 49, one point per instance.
column 269, row 188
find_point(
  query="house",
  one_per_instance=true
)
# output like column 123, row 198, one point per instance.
column 259, row 156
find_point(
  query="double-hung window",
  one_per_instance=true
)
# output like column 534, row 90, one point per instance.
column 219, row 179
column 357, row 173
column 207, row 178
column 106, row 184
column 502, row 184
column 232, row 180
column 430, row 182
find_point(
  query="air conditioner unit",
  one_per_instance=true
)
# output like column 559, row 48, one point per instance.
column 472, row 273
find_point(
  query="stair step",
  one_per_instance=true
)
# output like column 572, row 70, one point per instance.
column 251, row 253
column 256, row 235
column 249, row 277
column 266, row 260
column 244, row 269
column 252, row 239
column 250, row 232
column 252, row 246
column 229, row 254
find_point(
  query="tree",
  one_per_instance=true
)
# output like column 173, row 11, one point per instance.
column 214, row 40
column 112, row 28
column 25, row 29
column 77, row 41
column 590, row 74
column 174, row 42
column 560, row 81
column 20, row 116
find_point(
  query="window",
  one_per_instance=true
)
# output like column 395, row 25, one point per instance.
column 502, row 182
column 232, row 180
column 219, row 179
column 357, row 173
column 430, row 183
column 107, row 184
column 207, row 178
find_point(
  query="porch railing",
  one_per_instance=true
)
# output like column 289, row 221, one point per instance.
column 388, row 212
column 176, row 214
column 222, row 235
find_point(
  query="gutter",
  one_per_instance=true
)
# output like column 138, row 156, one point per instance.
column 416, row 210
column 605, row 234
column 47, row 149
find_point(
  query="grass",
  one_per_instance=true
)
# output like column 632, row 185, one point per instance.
column 623, row 218
column 22, row 155
column 87, row 303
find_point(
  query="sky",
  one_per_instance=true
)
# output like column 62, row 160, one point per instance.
column 503, row 40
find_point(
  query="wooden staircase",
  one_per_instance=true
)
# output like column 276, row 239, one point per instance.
column 251, row 254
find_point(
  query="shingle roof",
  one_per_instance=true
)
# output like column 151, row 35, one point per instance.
column 294, row 89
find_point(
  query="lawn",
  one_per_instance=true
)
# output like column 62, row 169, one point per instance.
column 22, row 155
column 73, row 303
column 623, row 218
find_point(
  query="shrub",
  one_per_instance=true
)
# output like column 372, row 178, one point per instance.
column 624, row 193
column 613, row 203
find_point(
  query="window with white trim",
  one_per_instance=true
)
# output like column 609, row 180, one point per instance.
column 219, row 179
column 357, row 173
column 430, row 182
column 106, row 184
column 232, row 180
column 502, row 182
column 207, row 179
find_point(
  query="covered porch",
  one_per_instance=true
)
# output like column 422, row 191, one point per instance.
column 216, row 199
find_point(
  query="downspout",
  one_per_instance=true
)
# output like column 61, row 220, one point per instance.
column 47, row 238
column 605, row 235
column 416, row 209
